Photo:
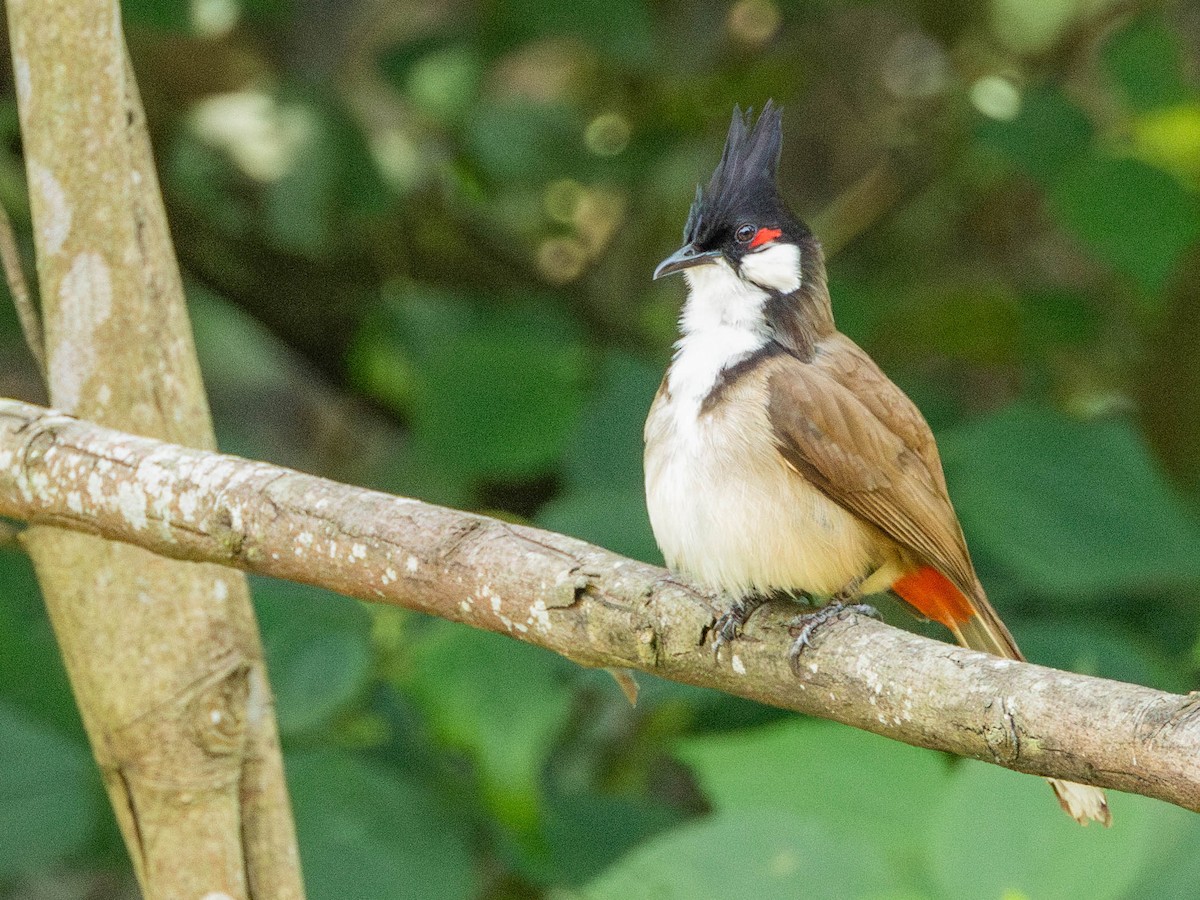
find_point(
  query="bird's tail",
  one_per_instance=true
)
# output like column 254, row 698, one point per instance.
column 975, row 624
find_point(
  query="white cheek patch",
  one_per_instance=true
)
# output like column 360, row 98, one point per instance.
column 775, row 267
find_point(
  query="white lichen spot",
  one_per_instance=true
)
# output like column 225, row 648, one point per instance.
column 56, row 209
column 389, row 575
column 411, row 564
column 188, row 501
column 305, row 538
column 220, row 590
column 75, row 501
column 520, row 627
column 6, row 458
column 85, row 297
column 738, row 666
column 333, row 549
column 466, row 605
column 131, row 502
column 235, row 518
column 496, row 603
column 95, row 487
column 358, row 551
column 40, row 483
column 24, row 79
column 215, row 716
column 103, row 394
column 539, row 617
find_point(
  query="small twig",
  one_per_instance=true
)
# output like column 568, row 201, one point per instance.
column 14, row 274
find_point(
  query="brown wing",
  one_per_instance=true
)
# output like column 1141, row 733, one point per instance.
column 870, row 452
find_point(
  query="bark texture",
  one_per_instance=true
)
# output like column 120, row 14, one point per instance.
column 590, row 605
column 164, row 657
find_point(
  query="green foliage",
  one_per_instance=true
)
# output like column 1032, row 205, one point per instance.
column 418, row 246
column 367, row 832
column 317, row 648
column 49, row 794
column 1074, row 509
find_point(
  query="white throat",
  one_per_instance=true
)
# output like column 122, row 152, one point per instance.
column 722, row 323
column 723, row 319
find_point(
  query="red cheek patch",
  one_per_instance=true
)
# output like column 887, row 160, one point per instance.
column 765, row 236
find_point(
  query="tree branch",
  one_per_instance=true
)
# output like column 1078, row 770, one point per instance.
column 588, row 604
column 164, row 659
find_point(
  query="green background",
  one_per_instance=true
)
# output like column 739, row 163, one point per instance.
column 417, row 240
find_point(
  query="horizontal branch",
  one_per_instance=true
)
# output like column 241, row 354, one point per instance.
column 590, row 605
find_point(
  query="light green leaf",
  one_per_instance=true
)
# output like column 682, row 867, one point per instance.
column 998, row 833
column 743, row 853
column 857, row 783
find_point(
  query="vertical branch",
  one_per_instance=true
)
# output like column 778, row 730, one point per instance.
column 164, row 657
column 27, row 314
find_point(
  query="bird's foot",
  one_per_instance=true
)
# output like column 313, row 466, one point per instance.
column 803, row 627
column 728, row 626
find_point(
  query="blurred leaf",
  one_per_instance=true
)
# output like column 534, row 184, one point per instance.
column 1136, row 219
column 1072, row 507
column 32, row 676
column 525, row 142
column 1048, row 137
column 50, row 794
column 1102, row 649
column 165, row 15
column 1054, row 318
column 1144, row 60
column 588, row 832
column 494, row 390
column 615, row 519
column 366, row 832
column 997, row 833
column 856, row 783
column 606, row 449
column 445, row 83
column 317, row 647
column 742, row 853
column 502, row 701
column 618, row 27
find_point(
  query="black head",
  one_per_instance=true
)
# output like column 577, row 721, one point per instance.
column 740, row 211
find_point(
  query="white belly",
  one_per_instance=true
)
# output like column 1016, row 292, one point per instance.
column 727, row 511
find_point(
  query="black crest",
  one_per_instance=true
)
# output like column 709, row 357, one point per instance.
column 744, row 178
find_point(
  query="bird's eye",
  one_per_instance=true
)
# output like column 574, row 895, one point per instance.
column 745, row 233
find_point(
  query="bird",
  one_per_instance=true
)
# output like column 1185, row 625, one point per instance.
column 780, row 461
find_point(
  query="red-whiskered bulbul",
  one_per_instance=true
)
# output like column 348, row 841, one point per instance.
column 780, row 460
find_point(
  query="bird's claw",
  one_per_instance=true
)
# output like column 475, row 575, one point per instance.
column 728, row 627
column 804, row 626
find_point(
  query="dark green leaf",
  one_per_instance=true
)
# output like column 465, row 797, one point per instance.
column 1048, row 137
column 501, row 701
column 318, row 650
column 1144, row 60
column 50, row 794
column 1075, row 508
column 366, row 832
column 32, row 676
column 615, row 519
column 1135, row 218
